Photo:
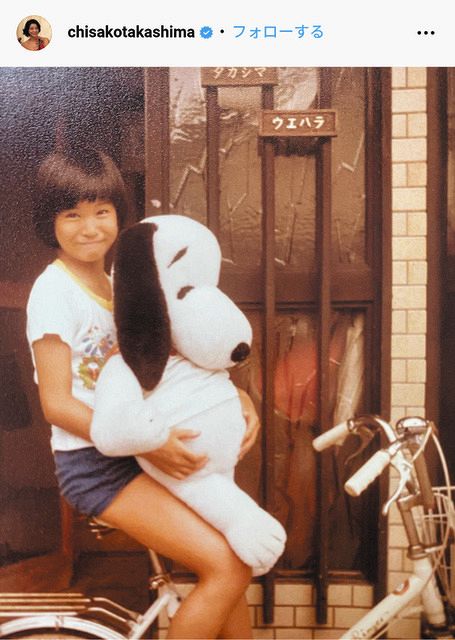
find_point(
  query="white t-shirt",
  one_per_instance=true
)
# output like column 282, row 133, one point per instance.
column 61, row 304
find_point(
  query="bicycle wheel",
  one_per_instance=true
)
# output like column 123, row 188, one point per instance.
column 57, row 627
column 46, row 634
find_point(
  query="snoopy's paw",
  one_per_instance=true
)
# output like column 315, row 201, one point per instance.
column 261, row 570
column 258, row 541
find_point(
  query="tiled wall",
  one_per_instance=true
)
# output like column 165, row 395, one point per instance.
column 409, row 279
column 294, row 611
column 294, row 614
column 409, row 177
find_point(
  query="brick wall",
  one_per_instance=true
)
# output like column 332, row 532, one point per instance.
column 409, row 280
column 294, row 614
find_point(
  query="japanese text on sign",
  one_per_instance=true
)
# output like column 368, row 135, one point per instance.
column 320, row 122
column 237, row 76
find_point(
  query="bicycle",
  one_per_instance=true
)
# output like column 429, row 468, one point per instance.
column 428, row 516
column 74, row 615
column 427, row 513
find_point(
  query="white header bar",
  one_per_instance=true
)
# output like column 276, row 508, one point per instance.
column 233, row 32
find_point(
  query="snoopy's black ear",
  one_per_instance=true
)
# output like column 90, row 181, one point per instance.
column 140, row 310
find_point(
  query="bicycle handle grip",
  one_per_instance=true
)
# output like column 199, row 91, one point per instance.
column 367, row 473
column 330, row 437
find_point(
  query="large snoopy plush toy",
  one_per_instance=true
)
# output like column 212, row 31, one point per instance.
column 177, row 335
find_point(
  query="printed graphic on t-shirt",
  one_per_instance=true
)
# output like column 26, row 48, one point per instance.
column 97, row 346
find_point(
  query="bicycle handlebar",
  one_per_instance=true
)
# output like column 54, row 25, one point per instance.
column 406, row 431
column 337, row 434
column 332, row 436
column 367, row 473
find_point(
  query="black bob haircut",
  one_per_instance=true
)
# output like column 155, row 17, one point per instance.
column 66, row 178
column 28, row 24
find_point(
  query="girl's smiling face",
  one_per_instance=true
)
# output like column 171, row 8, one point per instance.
column 86, row 232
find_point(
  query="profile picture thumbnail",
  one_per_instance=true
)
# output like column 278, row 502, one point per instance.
column 34, row 33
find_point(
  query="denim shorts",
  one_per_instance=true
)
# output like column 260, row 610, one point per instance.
column 89, row 480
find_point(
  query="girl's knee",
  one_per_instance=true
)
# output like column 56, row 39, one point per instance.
column 243, row 576
column 239, row 572
column 226, row 565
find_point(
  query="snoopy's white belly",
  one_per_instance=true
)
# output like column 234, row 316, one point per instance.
column 222, row 429
column 221, row 432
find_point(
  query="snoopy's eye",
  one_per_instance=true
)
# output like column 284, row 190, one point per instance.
column 178, row 256
column 183, row 291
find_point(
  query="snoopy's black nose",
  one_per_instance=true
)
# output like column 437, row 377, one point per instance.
column 241, row 352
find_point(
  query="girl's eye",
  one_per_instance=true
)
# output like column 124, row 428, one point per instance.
column 71, row 215
column 102, row 212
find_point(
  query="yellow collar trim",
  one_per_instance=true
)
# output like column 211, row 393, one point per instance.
column 106, row 304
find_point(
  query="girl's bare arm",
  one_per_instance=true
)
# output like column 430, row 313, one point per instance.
column 60, row 407
column 253, row 424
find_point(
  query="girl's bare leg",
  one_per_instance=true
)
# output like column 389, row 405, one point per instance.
column 151, row 515
column 238, row 624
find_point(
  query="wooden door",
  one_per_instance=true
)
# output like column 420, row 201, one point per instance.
column 303, row 225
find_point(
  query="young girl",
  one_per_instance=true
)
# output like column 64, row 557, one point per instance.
column 80, row 207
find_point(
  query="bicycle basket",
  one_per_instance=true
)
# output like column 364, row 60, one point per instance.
column 438, row 533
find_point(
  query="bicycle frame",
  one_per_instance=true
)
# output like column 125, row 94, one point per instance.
column 421, row 582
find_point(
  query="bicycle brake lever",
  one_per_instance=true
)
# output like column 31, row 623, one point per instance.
column 404, row 468
column 365, row 436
